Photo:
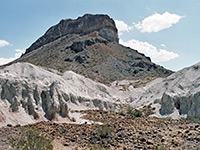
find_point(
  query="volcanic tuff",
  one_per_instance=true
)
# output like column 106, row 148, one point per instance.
column 29, row 94
column 89, row 46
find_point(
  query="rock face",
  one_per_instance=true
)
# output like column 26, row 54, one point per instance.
column 29, row 94
column 87, row 24
column 184, row 94
column 178, row 95
column 89, row 46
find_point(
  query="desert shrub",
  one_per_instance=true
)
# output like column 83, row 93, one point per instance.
column 31, row 140
column 160, row 148
column 195, row 67
column 183, row 118
column 122, row 113
column 63, row 130
column 104, row 131
column 98, row 147
column 197, row 120
column 73, row 119
column 129, row 110
column 137, row 113
column 169, row 118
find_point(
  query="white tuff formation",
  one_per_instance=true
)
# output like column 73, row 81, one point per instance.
column 29, row 94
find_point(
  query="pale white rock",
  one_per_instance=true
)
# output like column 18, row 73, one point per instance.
column 30, row 93
column 183, row 93
column 177, row 95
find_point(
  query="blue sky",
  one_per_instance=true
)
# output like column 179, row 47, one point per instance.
column 166, row 30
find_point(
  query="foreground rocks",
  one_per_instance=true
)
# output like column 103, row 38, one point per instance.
column 118, row 131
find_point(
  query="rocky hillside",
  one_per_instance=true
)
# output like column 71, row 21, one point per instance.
column 89, row 46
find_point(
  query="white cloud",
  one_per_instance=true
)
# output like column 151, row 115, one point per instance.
column 18, row 53
column 3, row 43
column 157, row 22
column 163, row 45
column 157, row 55
column 122, row 27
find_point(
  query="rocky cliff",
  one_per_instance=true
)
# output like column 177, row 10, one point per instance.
column 87, row 24
column 177, row 95
column 89, row 46
column 29, row 94
column 183, row 96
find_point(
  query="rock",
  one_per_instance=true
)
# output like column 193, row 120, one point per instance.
column 40, row 94
column 182, row 96
column 18, row 125
column 9, row 125
column 122, row 134
column 149, row 142
column 87, row 24
column 66, row 144
column 162, row 140
column 73, row 119
column 187, row 131
column 142, row 139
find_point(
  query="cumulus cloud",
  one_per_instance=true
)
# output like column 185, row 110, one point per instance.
column 122, row 27
column 157, row 55
column 163, row 45
column 158, row 22
column 18, row 53
column 3, row 43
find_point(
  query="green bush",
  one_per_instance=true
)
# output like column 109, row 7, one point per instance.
column 98, row 147
column 160, row 148
column 32, row 140
column 129, row 110
column 137, row 113
column 169, row 118
column 195, row 67
column 122, row 113
column 104, row 131
column 73, row 119
column 196, row 120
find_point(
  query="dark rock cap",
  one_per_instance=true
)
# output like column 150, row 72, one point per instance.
column 103, row 24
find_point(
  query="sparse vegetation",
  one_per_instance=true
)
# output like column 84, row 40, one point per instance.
column 197, row 120
column 195, row 67
column 183, row 118
column 160, row 148
column 129, row 110
column 98, row 147
column 132, row 112
column 169, row 118
column 31, row 140
column 137, row 113
column 122, row 113
column 73, row 119
column 104, row 131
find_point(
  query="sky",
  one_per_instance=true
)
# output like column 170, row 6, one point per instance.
column 165, row 30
